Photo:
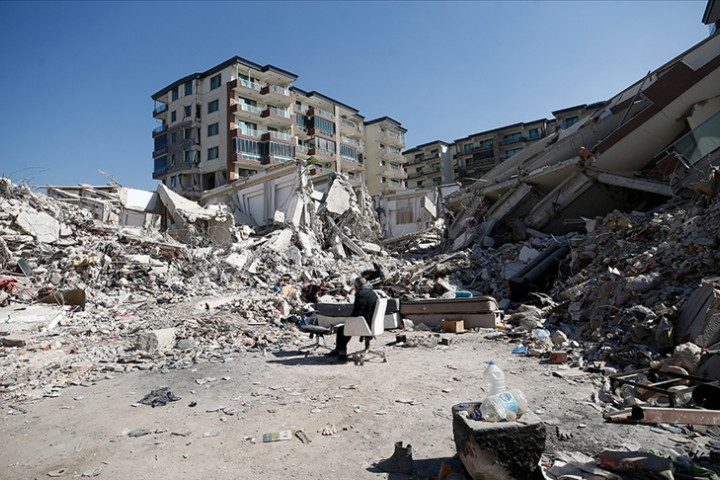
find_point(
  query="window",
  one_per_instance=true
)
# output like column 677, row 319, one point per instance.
column 420, row 184
column 434, row 152
column 188, row 133
column 468, row 147
column 173, row 181
column 173, row 157
column 173, row 116
column 213, row 106
column 175, row 93
column 570, row 121
column 348, row 153
column 478, row 157
column 534, row 133
column 324, row 127
column 173, row 137
column 326, row 147
column 512, row 152
column 188, row 88
column 191, row 156
column 215, row 82
column 486, row 144
column 213, row 129
column 511, row 138
column 404, row 213
column 188, row 110
column 213, row 153
column 282, row 151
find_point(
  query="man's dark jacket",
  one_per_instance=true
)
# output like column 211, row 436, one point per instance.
column 365, row 300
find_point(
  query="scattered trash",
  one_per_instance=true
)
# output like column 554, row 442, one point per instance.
column 160, row 397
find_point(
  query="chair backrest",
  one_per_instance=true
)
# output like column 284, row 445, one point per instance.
column 377, row 325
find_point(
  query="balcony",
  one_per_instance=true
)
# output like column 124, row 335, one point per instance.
column 160, row 167
column 277, row 116
column 244, row 107
column 301, row 109
column 247, row 133
column 393, row 173
column 394, row 186
column 275, row 159
column 162, row 108
column 246, row 159
column 349, row 164
column 158, row 130
column 511, row 140
column 283, row 137
column 390, row 156
column 394, row 139
column 278, row 94
column 349, row 128
column 301, row 151
column 349, row 141
column 321, row 154
column 247, row 88
column 321, row 133
column 160, row 151
column 319, row 112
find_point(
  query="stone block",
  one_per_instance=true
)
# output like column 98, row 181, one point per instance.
column 502, row 450
column 156, row 340
column 40, row 225
column 16, row 340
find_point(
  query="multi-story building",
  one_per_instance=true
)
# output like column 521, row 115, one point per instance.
column 429, row 164
column 238, row 118
column 329, row 134
column 384, row 162
column 477, row 154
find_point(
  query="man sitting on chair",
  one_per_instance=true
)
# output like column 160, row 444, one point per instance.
column 365, row 300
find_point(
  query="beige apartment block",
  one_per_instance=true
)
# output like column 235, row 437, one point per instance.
column 240, row 118
column 429, row 164
column 477, row 154
column 384, row 162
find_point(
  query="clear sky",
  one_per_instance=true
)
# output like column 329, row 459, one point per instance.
column 77, row 76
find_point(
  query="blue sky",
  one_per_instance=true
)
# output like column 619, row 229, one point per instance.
column 77, row 76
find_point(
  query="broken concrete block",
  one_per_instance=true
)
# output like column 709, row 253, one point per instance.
column 236, row 260
column 40, row 225
column 501, row 450
column 338, row 199
column 688, row 355
column 559, row 338
column 644, row 283
column 156, row 340
column 699, row 318
column 282, row 240
column 16, row 340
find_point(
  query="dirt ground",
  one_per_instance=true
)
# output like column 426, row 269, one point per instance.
column 409, row 398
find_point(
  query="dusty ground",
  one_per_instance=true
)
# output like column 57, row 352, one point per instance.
column 86, row 428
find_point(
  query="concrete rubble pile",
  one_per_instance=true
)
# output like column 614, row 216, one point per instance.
column 81, row 299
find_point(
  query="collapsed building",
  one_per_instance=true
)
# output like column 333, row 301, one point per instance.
column 639, row 149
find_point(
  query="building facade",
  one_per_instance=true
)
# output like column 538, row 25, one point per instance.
column 429, row 164
column 239, row 118
column 384, row 161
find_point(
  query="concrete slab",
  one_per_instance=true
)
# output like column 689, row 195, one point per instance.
column 40, row 225
column 502, row 450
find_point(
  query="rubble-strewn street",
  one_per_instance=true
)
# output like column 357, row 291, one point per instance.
column 534, row 301
column 217, row 324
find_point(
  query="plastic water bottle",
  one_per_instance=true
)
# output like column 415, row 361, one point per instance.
column 509, row 405
column 494, row 379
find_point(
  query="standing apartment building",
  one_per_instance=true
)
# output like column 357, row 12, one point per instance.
column 429, row 164
column 384, row 161
column 240, row 118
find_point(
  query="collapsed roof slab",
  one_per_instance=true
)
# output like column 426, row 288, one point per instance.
column 560, row 197
column 642, row 185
